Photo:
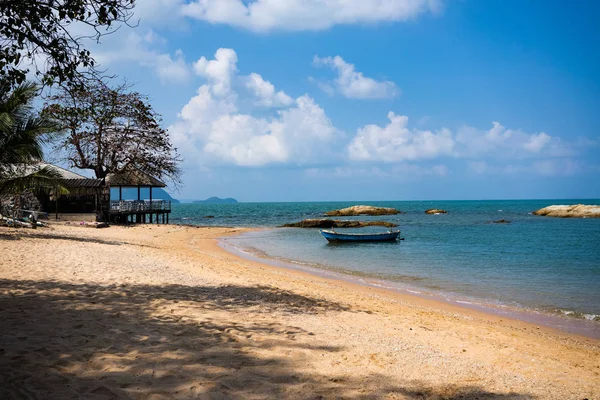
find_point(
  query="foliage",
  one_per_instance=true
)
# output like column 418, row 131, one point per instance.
column 43, row 32
column 22, row 136
column 111, row 130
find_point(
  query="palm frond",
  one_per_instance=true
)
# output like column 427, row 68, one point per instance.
column 45, row 178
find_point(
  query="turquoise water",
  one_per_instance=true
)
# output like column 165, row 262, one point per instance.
column 548, row 265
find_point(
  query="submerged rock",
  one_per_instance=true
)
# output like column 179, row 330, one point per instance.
column 572, row 211
column 332, row 223
column 362, row 210
column 435, row 211
column 501, row 221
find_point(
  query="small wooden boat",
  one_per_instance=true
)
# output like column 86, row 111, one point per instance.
column 334, row 236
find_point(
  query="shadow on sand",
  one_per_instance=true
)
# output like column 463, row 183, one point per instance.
column 27, row 233
column 63, row 341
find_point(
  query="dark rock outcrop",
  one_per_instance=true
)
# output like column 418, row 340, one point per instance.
column 434, row 211
column 331, row 223
column 362, row 210
column 501, row 221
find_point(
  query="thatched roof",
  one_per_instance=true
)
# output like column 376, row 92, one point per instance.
column 64, row 174
column 133, row 177
column 71, row 179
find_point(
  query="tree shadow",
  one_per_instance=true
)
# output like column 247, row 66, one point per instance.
column 28, row 233
column 6, row 236
column 61, row 341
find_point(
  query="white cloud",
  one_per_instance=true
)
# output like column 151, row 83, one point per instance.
column 353, row 84
column 210, row 127
column 159, row 12
column 537, row 142
column 395, row 142
column 139, row 48
column 172, row 70
column 219, row 71
column 295, row 15
column 265, row 92
column 501, row 142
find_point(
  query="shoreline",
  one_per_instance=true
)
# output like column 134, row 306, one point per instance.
column 163, row 311
column 560, row 323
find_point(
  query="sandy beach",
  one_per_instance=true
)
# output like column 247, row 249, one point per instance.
column 162, row 312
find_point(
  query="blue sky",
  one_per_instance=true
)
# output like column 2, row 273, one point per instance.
column 328, row 100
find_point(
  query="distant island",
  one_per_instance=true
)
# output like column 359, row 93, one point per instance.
column 217, row 200
column 161, row 194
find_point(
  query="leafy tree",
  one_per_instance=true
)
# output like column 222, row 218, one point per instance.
column 42, row 31
column 23, row 134
column 110, row 130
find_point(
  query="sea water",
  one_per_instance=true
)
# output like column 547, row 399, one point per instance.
column 540, row 264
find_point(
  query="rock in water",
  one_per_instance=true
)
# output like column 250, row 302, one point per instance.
column 362, row 210
column 435, row 211
column 572, row 211
column 331, row 223
column 501, row 221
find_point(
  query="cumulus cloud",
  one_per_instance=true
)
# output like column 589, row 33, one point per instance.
column 265, row 92
column 211, row 127
column 395, row 142
column 501, row 142
column 296, row 15
column 220, row 71
column 353, row 84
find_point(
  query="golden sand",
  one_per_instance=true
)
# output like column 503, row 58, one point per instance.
column 161, row 312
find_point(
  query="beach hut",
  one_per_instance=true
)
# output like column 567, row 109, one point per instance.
column 131, row 198
column 121, row 198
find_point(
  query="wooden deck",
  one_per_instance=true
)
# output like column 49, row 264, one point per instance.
column 138, row 210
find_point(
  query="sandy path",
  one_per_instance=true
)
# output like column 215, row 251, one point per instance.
column 160, row 312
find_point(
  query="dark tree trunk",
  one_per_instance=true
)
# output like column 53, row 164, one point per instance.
column 100, row 173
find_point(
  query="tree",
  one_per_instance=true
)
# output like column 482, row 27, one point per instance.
column 23, row 134
column 112, row 130
column 42, row 31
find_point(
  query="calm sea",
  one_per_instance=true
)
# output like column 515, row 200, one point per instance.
column 539, row 264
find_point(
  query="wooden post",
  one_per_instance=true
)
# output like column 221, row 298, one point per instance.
column 167, row 218
column 56, row 203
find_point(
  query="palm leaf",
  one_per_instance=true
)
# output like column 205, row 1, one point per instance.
column 45, row 178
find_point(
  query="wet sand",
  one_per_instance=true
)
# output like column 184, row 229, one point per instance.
column 161, row 312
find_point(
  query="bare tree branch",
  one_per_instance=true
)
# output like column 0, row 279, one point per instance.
column 112, row 129
column 30, row 29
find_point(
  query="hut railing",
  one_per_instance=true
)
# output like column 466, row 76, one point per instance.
column 139, row 206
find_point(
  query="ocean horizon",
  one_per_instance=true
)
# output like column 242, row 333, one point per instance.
column 542, row 265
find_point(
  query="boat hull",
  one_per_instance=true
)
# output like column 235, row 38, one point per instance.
column 358, row 237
